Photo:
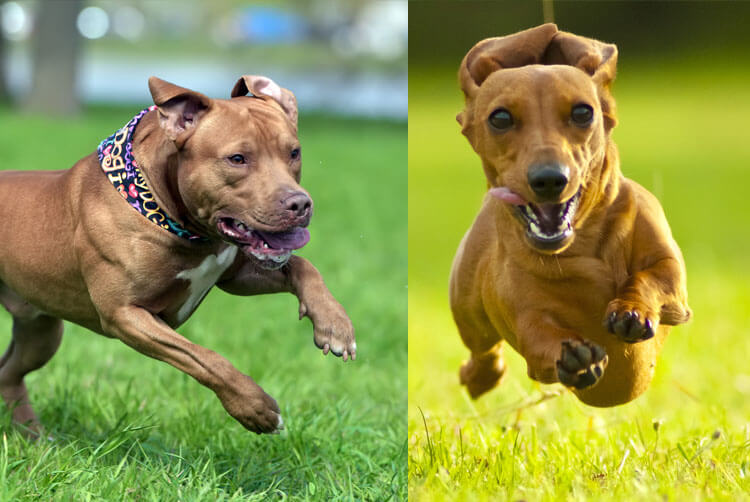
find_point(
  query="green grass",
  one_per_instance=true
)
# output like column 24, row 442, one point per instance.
column 683, row 135
column 127, row 427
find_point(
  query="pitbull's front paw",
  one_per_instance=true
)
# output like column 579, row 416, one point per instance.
column 630, row 321
column 333, row 331
column 581, row 364
column 252, row 407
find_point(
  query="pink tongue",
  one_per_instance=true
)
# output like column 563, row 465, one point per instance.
column 506, row 195
column 293, row 239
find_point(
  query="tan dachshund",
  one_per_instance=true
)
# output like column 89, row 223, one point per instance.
column 568, row 261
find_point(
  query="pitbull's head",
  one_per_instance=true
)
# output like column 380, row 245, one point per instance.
column 539, row 114
column 239, row 164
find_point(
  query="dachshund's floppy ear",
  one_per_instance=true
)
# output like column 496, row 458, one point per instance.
column 592, row 56
column 179, row 109
column 261, row 87
column 512, row 51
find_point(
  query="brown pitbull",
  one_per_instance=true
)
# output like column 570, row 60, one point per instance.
column 214, row 196
column 569, row 262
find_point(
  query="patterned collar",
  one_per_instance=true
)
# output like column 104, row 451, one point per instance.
column 117, row 161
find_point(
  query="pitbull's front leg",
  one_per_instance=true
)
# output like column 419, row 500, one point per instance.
column 333, row 331
column 240, row 395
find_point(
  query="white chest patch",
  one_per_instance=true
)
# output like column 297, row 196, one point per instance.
column 202, row 278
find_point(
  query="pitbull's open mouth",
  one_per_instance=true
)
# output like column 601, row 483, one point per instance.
column 548, row 226
column 271, row 249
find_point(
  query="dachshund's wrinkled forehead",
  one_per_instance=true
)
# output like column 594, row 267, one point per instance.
column 537, row 78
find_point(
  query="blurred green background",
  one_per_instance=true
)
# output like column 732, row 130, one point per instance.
column 126, row 427
column 341, row 56
column 683, row 98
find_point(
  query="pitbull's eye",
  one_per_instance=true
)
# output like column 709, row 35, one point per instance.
column 237, row 158
column 582, row 115
column 501, row 119
column 295, row 153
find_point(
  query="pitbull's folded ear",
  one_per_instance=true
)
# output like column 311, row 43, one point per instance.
column 179, row 109
column 263, row 86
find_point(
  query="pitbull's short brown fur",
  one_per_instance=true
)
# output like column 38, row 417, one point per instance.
column 569, row 262
column 73, row 249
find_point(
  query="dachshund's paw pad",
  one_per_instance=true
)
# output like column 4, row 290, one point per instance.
column 630, row 323
column 581, row 364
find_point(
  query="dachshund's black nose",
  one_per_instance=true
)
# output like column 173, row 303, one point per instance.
column 548, row 180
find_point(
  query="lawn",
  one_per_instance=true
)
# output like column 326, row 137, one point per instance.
column 126, row 427
column 683, row 135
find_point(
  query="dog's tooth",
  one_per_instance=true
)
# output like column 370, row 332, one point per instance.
column 530, row 214
column 265, row 245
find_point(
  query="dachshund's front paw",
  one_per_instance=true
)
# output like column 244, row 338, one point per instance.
column 581, row 364
column 630, row 322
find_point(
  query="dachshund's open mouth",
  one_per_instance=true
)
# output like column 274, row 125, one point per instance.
column 549, row 225
column 271, row 249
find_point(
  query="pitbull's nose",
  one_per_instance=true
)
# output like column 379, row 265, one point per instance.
column 548, row 180
column 297, row 205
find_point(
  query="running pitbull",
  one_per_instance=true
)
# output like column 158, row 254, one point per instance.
column 568, row 261
column 214, row 196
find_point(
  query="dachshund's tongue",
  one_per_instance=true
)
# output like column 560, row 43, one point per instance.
column 505, row 194
column 293, row 239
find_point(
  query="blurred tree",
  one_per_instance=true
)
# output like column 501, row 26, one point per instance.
column 56, row 45
column 3, row 85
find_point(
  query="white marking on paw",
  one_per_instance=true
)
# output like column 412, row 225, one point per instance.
column 202, row 278
column 279, row 426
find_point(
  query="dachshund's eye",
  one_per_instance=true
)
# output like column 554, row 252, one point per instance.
column 295, row 154
column 237, row 158
column 501, row 119
column 582, row 115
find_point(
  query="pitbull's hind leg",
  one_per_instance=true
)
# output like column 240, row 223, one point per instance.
column 36, row 338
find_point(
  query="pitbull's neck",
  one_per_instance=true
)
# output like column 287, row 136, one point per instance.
column 141, row 163
column 157, row 158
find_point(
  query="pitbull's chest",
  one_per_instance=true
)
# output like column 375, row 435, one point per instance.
column 193, row 284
